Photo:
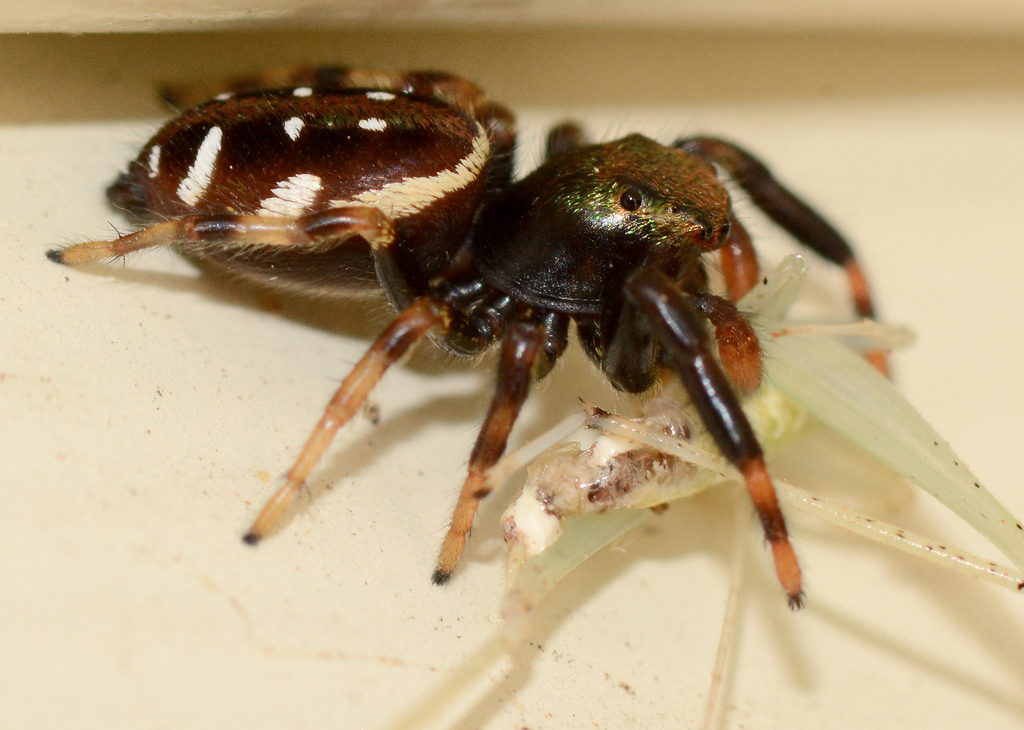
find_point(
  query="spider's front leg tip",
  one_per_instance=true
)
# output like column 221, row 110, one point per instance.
column 762, row 492
column 251, row 538
column 788, row 570
column 56, row 255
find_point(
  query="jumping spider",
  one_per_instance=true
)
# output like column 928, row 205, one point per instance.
column 339, row 179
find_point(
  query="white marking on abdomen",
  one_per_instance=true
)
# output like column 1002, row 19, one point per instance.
column 224, row 96
column 154, row 161
column 302, row 91
column 292, row 197
column 413, row 194
column 380, row 95
column 194, row 185
column 373, row 124
column 293, row 127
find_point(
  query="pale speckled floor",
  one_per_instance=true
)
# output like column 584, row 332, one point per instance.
column 144, row 411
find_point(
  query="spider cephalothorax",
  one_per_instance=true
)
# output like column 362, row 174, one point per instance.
column 339, row 179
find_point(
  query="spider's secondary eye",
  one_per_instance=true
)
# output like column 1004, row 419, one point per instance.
column 707, row 229
column 631, row 199
column 725, row 231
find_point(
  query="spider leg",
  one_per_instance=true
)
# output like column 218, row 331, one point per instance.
column 738, row 346
column 185, row 95
column 239, row 237
column 739, row 261
column 676, row 324
column 562, row 138
column 783, row 207
column 794, row 215
column 520, row 348
column 454, row 89
column 406, row 329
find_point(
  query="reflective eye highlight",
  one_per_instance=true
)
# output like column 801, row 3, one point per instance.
column 631, row 199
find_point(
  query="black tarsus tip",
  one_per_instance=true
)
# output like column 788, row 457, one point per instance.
column 56, row 255
column 796, row 602
column 250, row 538
column 439, row 578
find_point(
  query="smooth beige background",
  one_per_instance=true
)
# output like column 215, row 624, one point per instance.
column 145, row 413
column 105, row 16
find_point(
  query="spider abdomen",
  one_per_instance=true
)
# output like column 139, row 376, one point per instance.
column 294, row 152
column 297, row 151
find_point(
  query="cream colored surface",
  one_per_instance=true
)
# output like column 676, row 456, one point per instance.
column 146, row 413
column 105, row 16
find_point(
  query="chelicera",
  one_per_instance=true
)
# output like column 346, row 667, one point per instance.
column 341, row 180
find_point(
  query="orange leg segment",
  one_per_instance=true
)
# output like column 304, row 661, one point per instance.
column 520, row 348
column 739, row 262
column 196, row 235
column 738, row 346
column 406, row 329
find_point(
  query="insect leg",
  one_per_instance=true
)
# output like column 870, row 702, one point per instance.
column 405, row 330
column 738, row 346
column 672, row 318
column 239, row 235
column 520, row 348
column 739, row 261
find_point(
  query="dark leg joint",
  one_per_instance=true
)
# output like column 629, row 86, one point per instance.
column 210, row 227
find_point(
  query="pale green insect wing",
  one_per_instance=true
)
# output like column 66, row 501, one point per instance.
column 840, row 389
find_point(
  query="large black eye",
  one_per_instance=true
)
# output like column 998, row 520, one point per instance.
column 631, row 199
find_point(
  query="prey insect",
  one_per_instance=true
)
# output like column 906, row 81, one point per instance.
column 341, row 180
column 598, row 475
